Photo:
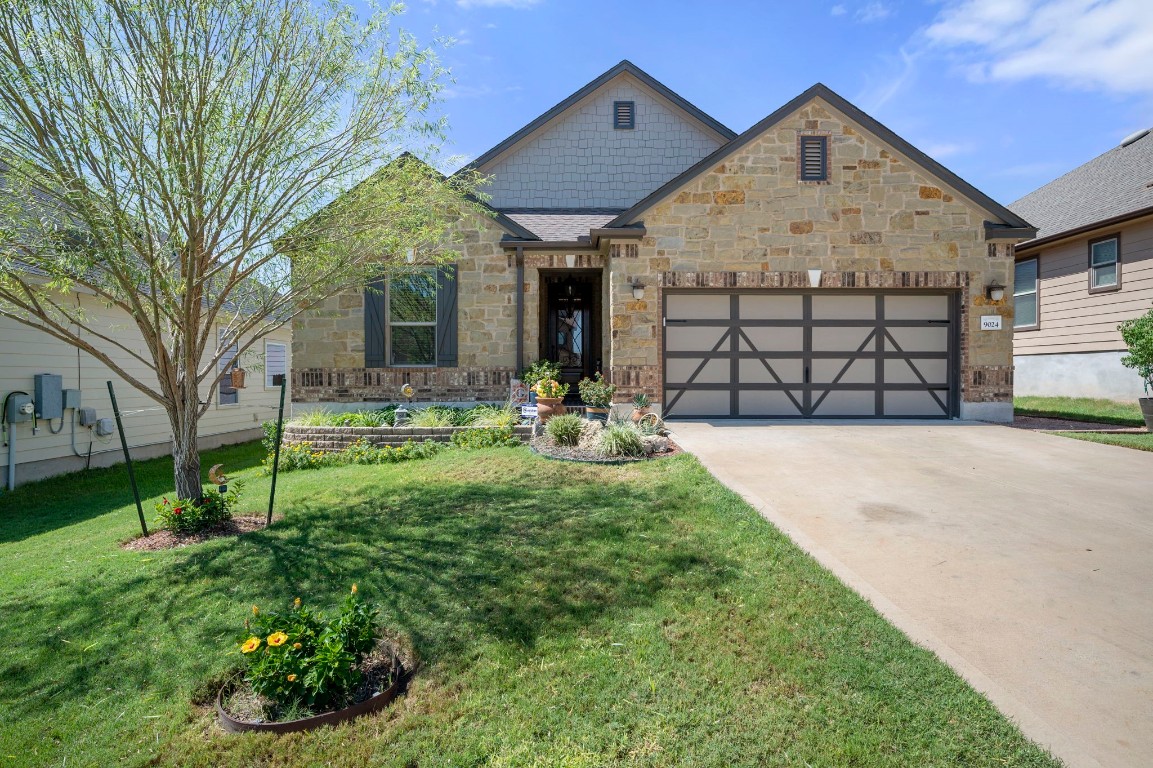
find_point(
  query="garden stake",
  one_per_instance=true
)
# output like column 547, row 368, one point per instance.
column 276, row 451
column 127, row 458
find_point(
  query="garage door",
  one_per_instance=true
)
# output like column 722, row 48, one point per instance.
column 808, row 355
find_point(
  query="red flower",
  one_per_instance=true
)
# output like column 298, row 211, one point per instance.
column 177, row 511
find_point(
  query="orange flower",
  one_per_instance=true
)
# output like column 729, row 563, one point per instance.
column 277, row 638
column 292, row 678
column 250, row 645
column 296, row 646
column 354, row 589
column 296, row 603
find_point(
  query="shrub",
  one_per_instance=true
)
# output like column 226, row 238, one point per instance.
column 1138, row 336
column 484, row 437
column 541, row 369
column 300, row 659
column 190, row 516
column 494, row 416
column 620, row 439
column 596, row 392
column 564, row 430
column 300, row 456
column 437, row 416
column 382, row 417
column 321, row 417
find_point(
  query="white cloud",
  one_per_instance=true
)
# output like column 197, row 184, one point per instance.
column 838, row 10
column 519, row 4
column 941, row 150
column 874, row 11
column 1095, row 44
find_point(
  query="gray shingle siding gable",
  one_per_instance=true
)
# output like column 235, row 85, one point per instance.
column 581, row 161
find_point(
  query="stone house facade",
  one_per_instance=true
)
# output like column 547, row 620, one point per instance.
column 814, row 266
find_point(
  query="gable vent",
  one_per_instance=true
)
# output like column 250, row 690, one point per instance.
column 624, row 114
column 814, row 153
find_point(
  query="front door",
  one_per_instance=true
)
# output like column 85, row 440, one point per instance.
column 570, row 325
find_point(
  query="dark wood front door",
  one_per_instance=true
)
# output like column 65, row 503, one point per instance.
column 571, row 325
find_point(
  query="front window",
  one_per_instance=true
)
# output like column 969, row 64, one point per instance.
column 412, row 318
column 1025, row 294
column 1104, row 263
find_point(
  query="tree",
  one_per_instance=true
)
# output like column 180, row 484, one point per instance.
column 199, row 163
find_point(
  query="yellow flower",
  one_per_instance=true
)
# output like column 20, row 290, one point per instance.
column 277, row 638
column 354, row 589
column 292, row 678
column 250, row 645
column 296, row 603
column 296, row 646
column 255, row 610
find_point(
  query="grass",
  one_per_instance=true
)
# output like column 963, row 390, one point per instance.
column 567, row 615
column 1081, row 409
column 1141, row 441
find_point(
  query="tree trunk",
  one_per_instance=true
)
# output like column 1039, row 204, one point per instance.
column 185, row 454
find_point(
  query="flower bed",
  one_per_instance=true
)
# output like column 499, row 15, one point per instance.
column 328, row 439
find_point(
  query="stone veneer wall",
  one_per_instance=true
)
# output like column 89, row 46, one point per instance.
column 878, row 222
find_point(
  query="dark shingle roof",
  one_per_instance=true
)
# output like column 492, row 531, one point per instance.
column 561, row 223
column 1116, row 183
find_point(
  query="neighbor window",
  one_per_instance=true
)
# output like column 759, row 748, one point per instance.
column 275, row 363
column 814, row 160
column 1025, row 294
column 1105, row 263
column 412, row 318
column 226, row 393
column 624, row 114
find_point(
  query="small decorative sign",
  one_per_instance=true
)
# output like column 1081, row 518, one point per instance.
column 518, row 392
column 528, row 411
column 991, row 323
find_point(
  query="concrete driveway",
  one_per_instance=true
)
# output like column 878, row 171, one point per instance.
column 1024, row 560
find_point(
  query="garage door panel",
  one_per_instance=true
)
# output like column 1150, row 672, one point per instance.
column 771, row 403
column 917, row 307
column 844, row 371
column 699, row 402
column 688, row 338
column 915, row 403
column 697, row 306
column 753, row 371
column 786, row 339
column 849, row 403
column 755, row 306
column 841, row 338
column 934, row 371
column 924, row 339
column 695, row 370
column 844, row 307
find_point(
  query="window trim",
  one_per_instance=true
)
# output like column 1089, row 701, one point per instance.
column 617, row 124
column 1089, row 268
column 388, row 323
column 823, row 139
column 1036, row 293
column 267, row 343
column 232, row 365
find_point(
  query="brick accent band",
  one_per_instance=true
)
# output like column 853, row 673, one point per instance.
column 354, row 385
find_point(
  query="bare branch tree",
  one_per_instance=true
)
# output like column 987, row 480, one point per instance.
column 200, row 164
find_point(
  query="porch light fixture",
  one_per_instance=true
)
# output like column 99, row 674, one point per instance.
column 638, row 290
column 814, row 278
column 995, row 291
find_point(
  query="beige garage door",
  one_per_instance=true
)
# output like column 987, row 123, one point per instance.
column 817, row 354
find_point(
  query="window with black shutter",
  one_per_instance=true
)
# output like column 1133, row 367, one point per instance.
column 624, row 114
column 814, row 158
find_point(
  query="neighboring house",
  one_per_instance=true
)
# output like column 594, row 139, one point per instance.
column 50, row 447
column 1089, row 268
column 636, row 235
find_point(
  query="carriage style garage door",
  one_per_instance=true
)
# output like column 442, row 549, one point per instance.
column 816, row 354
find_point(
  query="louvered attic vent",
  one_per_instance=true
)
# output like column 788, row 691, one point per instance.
column 624, row 114
column 814, row 158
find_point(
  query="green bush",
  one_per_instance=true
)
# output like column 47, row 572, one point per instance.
column 1138, row 336
column 494, row 416
column 620, row 439
column 300, row 660
column 484, row 437
column 438, row 416
column 382, row 417
column 596, row 392
column 541, row 369
column 191, row 516
column 303, row 456
column 565, row 429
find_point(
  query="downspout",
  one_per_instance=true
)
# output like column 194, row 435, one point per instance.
column 519, row 309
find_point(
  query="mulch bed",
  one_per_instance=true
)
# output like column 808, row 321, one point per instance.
column 161, row 539
column 1044, row 423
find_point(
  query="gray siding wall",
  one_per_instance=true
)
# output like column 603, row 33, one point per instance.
column 580, row 161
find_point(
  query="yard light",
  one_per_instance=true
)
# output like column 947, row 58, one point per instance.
column 638, row 290
column 995, row 291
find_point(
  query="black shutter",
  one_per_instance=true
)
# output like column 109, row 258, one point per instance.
column 446, row 316
column 374, row 348
column 814, row 150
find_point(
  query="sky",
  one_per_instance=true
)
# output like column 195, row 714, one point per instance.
column 1008, row 94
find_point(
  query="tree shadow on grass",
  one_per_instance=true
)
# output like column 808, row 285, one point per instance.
column 452, row 564
column 57, row 502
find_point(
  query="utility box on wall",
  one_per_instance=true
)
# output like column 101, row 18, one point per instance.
column 48, row 394
column 18, row 408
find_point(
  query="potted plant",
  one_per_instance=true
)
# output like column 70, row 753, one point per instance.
column 1138, row 336
column 641, row 406
column 541, row 369
column 597, row 394
column 549, row 397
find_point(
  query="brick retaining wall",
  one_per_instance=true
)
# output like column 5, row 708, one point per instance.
column 339, row 438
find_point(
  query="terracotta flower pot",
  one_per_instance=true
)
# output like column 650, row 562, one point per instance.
column 547, row 407
column 639, row 413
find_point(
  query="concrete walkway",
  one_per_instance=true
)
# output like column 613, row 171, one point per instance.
column 1024, row 560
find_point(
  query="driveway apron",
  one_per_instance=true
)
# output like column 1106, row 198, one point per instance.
column 1024, row 560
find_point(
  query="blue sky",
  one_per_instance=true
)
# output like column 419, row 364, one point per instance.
column 1009, row 94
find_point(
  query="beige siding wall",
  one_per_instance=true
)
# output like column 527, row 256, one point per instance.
column 25, row 352
column 1071, row 318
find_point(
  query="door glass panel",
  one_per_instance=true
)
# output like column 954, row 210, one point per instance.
column 570, row 328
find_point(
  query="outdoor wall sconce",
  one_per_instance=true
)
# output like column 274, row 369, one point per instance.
column 638, row 290
column 995, row 291
column 814, row 278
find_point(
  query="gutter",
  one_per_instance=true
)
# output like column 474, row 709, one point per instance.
column 590, row 243
column 1102, row 224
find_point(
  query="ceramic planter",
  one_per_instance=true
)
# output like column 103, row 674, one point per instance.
column 597, row 414
column 1147, row 411
column 547, row 407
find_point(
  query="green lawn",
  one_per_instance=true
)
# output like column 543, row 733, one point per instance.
column 1126, row 414
column 1142, row 441
column 567, row 615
